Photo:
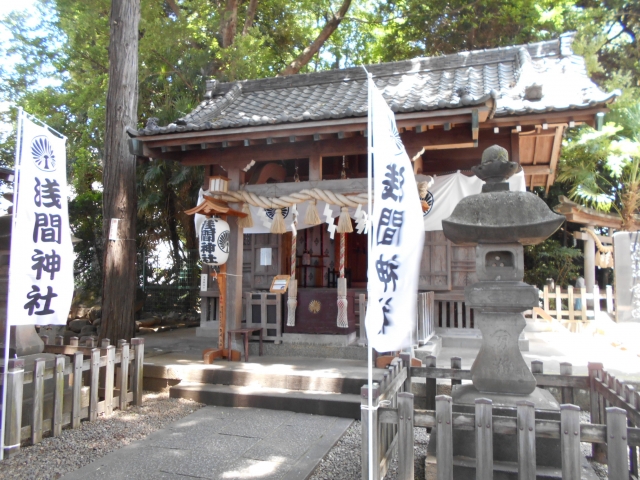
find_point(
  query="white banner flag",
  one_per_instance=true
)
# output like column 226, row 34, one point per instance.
column 397, row 234
column 41, row 269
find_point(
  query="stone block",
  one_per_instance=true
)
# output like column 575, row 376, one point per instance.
column 77, row 325
column 88, row 330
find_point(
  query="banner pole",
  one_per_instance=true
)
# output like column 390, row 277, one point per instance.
column 369, row 226
column 7, row 332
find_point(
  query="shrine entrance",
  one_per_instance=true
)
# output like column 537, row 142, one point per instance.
column 357, row 259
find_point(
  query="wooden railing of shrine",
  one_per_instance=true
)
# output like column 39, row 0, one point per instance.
column 424, row 327
column 80, row 383
column 575, row 304
column 451, row 311
column 613, row 433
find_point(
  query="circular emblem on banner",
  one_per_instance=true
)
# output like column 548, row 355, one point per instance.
column 43, row 155
column 429, row 199
column 272, row 211
column 223, row 241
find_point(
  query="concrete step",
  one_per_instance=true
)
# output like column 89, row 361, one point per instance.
column 299, row 401
column 321, row 375
column 289, row 381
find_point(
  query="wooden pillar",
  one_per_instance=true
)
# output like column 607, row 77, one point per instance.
column 315, row 167
column 234, row 264
column 589, row 254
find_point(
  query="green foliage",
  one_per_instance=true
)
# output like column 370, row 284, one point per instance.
column 607, row 37
column 437, row 27
column 58, row 71
column 550, row 259
column 601, row 169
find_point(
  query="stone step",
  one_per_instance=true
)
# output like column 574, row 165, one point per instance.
column 321, row 376
column 299, row 401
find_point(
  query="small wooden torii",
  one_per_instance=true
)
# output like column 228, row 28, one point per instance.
column 210, row 207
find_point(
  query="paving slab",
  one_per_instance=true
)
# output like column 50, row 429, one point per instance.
column 218, row 443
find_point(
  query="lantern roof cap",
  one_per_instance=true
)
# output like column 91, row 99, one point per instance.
column 210, row 206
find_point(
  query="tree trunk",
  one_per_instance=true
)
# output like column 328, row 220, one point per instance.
column 119, row 177
column 251, row 14
column 172, row 224
column 308, row 53
column 229, row 23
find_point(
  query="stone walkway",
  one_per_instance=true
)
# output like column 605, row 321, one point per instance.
column 225, row 443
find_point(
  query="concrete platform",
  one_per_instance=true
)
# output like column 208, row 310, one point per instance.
column 223, row 443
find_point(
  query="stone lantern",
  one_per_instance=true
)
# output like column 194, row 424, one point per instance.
column 499, row 223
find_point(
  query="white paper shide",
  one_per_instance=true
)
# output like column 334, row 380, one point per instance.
column 41, row 270
column 397, row 235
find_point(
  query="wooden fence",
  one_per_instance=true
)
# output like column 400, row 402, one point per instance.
column 424, row 327
column 561, row 304
column 451, row 311
column 81, row 383
column 613, row 405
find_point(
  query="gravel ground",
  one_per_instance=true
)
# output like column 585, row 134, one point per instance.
column 75, row 448
column 343, row 460
column 54, row 457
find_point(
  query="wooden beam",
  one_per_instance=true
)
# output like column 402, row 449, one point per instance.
column 515, row 147
column 449, row 146
column 413, row 142
column 555, row 154
column 315, row 167
column 586, row 236
column 475, row 125
column 537, row 170
column 353, row 124
column 435, row 161
column 578, row 116
column 586, row 219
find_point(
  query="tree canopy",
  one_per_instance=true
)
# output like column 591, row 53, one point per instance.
column 58, row 69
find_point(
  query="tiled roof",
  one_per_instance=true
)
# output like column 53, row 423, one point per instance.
column 533, row 78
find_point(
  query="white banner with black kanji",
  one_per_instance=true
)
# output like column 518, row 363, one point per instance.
column 397, row 234
column 41, row 262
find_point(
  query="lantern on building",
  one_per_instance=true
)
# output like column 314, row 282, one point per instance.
column 218, row 184
column 214, row 241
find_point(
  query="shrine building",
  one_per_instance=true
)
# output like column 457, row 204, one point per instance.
column 302, row 140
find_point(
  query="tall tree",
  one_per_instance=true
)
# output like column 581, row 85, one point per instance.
column 437, row 27
column 119, row 176
column 332, row 24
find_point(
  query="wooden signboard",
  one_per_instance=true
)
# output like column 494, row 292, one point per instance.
column 280, row 283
